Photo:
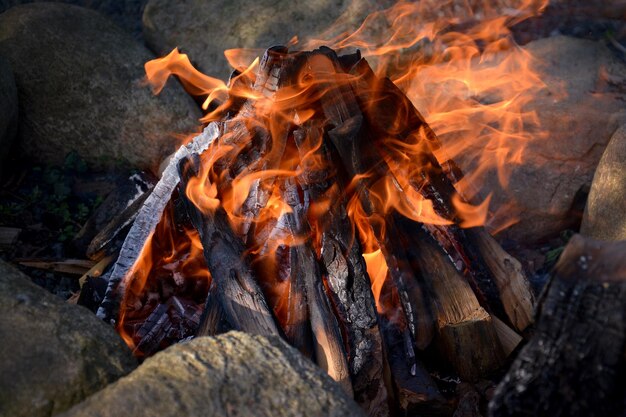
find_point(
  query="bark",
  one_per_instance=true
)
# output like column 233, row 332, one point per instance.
column 574, row 363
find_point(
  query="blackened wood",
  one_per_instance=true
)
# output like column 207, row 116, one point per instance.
column 413, row 389
column 154, row 330
column 350, row 142
column 574, row 363
column 346, row 272
column 342, row 112
column 328, row 342
column 146, row 222
column 241, row 298
column 276, row 266
column 108, row 239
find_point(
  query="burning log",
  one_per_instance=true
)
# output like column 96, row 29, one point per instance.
column 495, row 276
column 347, row 279
column 574, row 363
column 237, row 289
column 146, row 222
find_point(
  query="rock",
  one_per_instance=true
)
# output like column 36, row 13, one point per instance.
column 8, row 110
column 80, row 86
column 557, row 169
column 53, row 354
column 126, row 13
column 204, row 32
column 605, row 214
column 234, row 374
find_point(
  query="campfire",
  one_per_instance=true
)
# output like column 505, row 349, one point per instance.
column 345, row 214
column 319, row 205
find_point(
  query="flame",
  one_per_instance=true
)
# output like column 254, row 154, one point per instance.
column 455, row 61
column 170, row 254
column 377, row 270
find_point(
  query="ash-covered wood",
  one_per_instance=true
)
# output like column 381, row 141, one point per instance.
column 146, row 222
column 574, row 364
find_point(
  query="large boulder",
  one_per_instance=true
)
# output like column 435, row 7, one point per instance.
column 80, row 86
column 204, row 30
column 8, row 109
column 53, row 354
column 605, row 213
column 234, row 374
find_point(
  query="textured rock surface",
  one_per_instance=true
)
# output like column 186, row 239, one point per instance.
column 580, row 108
column 8, row 109
column 204, row 31
column 234, row 374
column 126, row 13
column 53, row 354
column 79, row 79
column 605, row 214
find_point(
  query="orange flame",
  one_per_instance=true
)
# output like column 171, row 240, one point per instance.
column 456, row 62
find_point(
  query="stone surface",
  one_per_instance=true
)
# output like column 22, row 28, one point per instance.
column 204, row 31
column 234, row 374
column 125, row 13
column 580, row 108
column 80, row 86
column 53, row 354
column 605, row 213
column 8, row 110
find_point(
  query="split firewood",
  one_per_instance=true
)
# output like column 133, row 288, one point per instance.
column 348, row 282
column 145, row 223
column 328, row 342
column 241, row 298
column 574, row 364
column 301, row 274
column 213, row 320
column 514, row 289
column 107, row 240
column 65, row 266
column 343, row 111
column 466, row 335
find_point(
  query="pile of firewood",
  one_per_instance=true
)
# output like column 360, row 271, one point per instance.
column 453, row 302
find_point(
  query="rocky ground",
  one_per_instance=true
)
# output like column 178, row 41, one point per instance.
column 79, row 126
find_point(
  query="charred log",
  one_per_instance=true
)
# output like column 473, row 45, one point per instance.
column 241, row 298
column 574, row 364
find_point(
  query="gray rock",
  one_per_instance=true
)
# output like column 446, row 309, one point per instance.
column 205, row 31
column 605, row 214
column 126, row 13
column 234, row 374
column 8, row 110
column 578, row 125
column 53, row 354
column 80, row 87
